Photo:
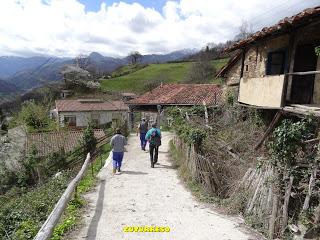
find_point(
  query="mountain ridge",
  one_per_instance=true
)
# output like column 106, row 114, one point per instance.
column 31, row 72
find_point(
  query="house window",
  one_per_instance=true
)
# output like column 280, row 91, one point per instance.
column 247, row 68
column 70, row 120
column 276, row 62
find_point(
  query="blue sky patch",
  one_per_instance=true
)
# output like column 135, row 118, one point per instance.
column 94, row 5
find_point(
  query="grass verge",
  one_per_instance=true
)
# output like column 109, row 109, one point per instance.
column 72, row 215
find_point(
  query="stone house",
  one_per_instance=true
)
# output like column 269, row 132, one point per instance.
column 79, row 113
column 277, row 67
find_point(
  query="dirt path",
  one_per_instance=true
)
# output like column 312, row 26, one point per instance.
column 142, row 196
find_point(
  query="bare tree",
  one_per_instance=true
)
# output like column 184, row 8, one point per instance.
column 135, row 57
column 156, row 81
column 82, row 61
column 245, row 30
column 73, row 75
column 3, row 121
column 202, row 71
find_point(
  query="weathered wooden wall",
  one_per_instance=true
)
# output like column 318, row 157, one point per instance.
column 266, row 91
column 201, row 169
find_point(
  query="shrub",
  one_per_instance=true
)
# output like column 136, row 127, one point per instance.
column 89, row 141
column 189, row 132
column 317, row 50
column 27, row 230
column 35, row 117
column 22, row 212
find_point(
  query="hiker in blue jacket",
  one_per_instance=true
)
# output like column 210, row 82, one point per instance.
column 154, row 138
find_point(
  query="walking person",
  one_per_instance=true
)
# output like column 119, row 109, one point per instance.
column 142, row 130
column 154, row 138
column 118, row 141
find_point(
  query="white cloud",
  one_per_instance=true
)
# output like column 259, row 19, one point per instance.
column 64, row 28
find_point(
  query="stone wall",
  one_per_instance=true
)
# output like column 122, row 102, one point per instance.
column 255, row 63
column 12, row 148
column 233, row 74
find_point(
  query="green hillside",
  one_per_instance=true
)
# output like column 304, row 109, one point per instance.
column 166, row 73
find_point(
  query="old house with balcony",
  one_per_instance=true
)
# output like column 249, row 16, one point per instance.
column 277, row 67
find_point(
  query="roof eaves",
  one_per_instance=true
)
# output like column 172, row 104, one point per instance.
column 230, row 63
column 284, row 25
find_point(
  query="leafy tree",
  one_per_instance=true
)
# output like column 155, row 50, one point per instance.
column 28, row 175
column 89, row 141
column 35, row 117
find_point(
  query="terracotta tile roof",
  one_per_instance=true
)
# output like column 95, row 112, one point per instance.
column 284, row 25
column 51, row 142
column 89, row 105
column 180, row 94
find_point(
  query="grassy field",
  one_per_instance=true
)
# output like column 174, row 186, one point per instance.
column 127, row 69
column 166, row 73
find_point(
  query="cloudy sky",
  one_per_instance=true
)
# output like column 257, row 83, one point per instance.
column 114, row 28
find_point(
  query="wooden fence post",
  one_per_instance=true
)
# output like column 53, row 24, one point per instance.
column 76, row 192
column 92, row 171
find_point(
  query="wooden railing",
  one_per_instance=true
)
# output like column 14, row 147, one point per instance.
column 303, row 73
column 47, row 228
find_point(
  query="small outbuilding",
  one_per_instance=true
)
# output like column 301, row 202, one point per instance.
column 79, row 113
column 152, row 103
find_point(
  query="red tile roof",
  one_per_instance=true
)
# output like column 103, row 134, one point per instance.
column 180, row 94
column 89, row 105
column 51, row 142
column 284, row 25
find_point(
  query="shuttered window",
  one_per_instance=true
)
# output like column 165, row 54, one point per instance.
column 276, row 62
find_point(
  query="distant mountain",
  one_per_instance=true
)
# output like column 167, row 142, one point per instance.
column 7, row 88
column 103, row 64
column 47, row 72
column 28, row 73
column 108, row 64
column 9, row 65
column 173, row 56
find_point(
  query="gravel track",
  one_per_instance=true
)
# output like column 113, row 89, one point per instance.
column 144, row 196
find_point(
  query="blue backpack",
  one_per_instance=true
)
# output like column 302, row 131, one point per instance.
column 155, row 140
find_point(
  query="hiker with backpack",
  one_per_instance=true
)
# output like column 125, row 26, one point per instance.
column 154, row 138
column 142, row 130
column 118, row 141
